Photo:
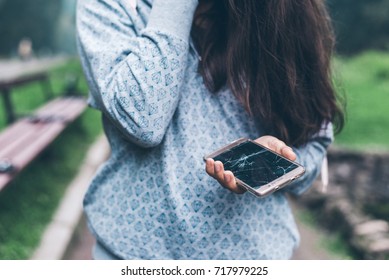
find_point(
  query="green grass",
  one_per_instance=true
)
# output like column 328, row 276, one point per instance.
column 28, row 203
column 365, row 81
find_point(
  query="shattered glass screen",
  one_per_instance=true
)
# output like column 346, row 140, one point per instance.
column 254, row 165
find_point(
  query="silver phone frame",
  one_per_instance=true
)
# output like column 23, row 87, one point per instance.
column 270, row 187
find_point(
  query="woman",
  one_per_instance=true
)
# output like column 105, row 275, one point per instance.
column 176, row 80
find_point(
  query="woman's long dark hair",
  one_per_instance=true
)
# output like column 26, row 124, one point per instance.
column 275, row 57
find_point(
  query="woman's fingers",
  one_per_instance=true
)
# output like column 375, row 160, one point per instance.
column 216, row 170
column 209, row 166
column 230, row 183
column 277, row 146
column 219, row 171
column 288, row 153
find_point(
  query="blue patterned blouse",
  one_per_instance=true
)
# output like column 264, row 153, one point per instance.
column 152, row 198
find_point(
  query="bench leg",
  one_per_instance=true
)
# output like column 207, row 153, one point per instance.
column 9, row 111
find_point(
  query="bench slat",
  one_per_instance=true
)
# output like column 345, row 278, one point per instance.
column 16, row 140
column 73, row 109
column 65, row 109
column 11, row 134
column 42, row 140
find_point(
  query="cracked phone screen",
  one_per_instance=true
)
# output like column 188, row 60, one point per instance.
column 254, row 165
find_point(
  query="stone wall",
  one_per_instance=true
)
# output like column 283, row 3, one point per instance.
column 357, row 180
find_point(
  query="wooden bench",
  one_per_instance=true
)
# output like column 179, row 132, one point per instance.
column 26, row 137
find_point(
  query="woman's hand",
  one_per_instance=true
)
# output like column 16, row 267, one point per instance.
column 227, row 179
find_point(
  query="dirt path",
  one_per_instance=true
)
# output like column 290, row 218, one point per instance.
column 312, row 239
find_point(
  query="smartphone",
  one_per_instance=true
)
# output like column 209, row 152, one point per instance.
column 256, row 168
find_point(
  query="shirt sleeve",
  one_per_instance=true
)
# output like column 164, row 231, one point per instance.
column 134, row 75
column 311, row 156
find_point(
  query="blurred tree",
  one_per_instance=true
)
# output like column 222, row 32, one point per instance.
column 32, row 19
column 360, row 24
